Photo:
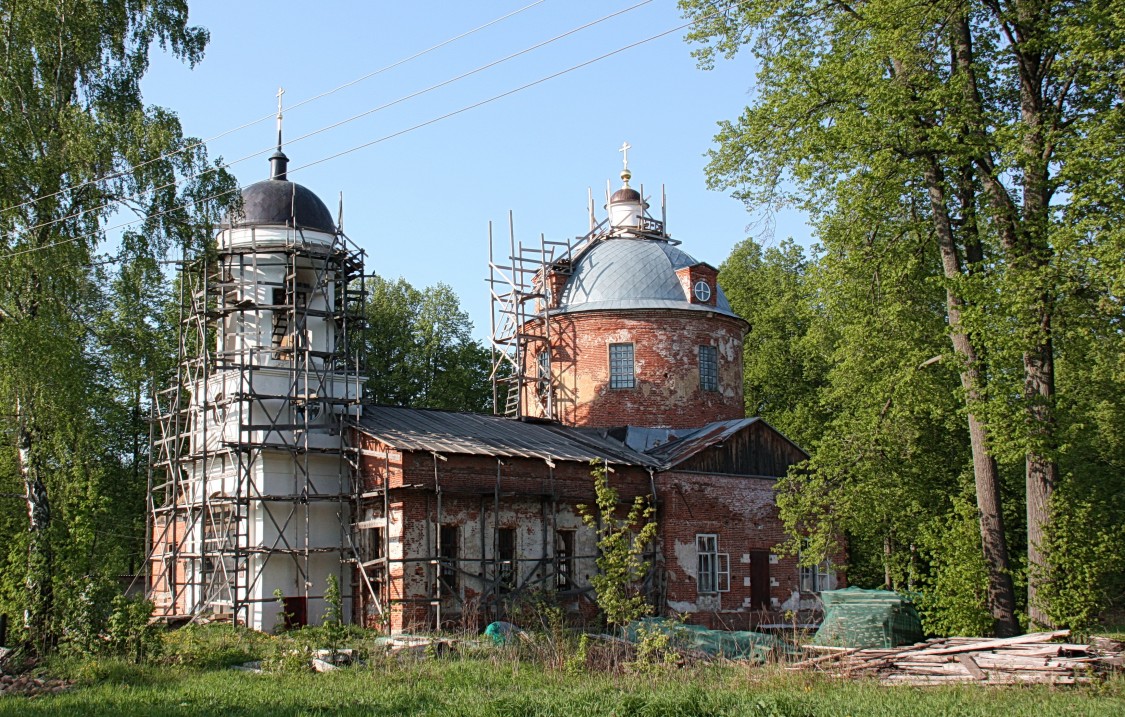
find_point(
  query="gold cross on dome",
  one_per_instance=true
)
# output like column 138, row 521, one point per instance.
column 625, row 147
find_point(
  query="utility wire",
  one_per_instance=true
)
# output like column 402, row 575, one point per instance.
column 384, row 138
column 271, row 115
column 348, row 120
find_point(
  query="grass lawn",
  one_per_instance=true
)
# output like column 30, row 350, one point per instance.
column 491, row 686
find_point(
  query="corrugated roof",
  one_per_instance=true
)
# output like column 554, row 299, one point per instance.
column 681, row 448
column 630, row 273
column 448, row 432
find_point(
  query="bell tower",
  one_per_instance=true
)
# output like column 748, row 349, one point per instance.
column 252, row 493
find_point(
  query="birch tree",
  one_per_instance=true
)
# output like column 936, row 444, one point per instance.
column 78, row 146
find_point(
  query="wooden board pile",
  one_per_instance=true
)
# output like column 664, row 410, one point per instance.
column 1014, row 660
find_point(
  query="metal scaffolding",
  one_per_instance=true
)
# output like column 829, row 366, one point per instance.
column 525, row 379
column 252, row 387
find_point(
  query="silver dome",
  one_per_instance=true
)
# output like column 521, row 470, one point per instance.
column 626, row 273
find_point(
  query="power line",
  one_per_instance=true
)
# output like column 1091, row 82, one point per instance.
column 251, row 123
column 384, row 138
column 348, row 120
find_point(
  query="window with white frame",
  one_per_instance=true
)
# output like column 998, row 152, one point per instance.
column 713, row 567
column 815, row 578
column 621, row 366
column 708, row 368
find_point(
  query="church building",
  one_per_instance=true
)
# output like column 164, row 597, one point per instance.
column 617, row 348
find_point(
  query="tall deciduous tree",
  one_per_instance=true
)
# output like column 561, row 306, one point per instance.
column 787, row 348
column 419, row 349
column 77, row 144
column 984, row 108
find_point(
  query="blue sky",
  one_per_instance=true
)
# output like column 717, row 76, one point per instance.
column 419, row 203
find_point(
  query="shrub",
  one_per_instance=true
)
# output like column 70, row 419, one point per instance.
column 621, row 548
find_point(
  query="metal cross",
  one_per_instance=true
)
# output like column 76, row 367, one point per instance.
column 625, row 147
column 280, row 92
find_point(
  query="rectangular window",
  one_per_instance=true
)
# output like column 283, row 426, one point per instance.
column 713, row 567
column 542, row 375
column 283, row 336
column 815, row 578
column 447, row 558
column 621, row 366
column 708, row 368
column 377, row 543
column 564, row 555
column 506, row 572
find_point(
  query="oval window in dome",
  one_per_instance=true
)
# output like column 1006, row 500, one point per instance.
column 702, row 291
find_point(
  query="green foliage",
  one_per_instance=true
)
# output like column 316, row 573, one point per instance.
column 576, row 662
column 1087, row 558
column 953, row 598
column 213, row 646
column 419, row 349
column 333, row 622
column 622, row 543
column 656, row 645
column 487, row 687
column 787, row 351
column 98, row 621
column 888, row 133
column 79, row 340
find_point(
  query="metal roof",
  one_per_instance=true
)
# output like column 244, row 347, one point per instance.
column 632, row 273
column 680, row 448
column 448, row 432
column 277, row 202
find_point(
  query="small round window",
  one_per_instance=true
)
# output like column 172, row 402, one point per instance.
column 702, row 291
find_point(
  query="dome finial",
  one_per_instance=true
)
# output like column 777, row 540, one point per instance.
column 278, row 161
column 626, row 175
column 280, row 92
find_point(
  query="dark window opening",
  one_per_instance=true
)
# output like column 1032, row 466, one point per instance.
column 506, row 572
column 377, row 543
column 621, row 366
column 295, row 612
column 280, row 318
column 759, row 579
column 447, row 557
column 708, row 368
column 283, row 336
column 564, row 556
column 543, row 376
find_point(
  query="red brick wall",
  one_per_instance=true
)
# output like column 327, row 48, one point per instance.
column 666, row 368
column 468, row 485
column 741, row 511
column 690, row 275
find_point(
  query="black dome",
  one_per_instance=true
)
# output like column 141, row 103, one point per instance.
column 280, row 202
column 625, row 194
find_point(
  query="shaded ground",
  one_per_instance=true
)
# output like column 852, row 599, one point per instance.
column 498, row 686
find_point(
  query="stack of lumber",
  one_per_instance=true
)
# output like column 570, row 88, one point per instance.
column 1013, row 660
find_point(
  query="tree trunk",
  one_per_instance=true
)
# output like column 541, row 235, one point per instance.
column 1041, row 470
column 1001, row 591
column 40, row 560
column 1038, row 359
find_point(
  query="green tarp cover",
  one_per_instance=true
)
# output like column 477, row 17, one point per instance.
column 735, row 645
column 854, row 617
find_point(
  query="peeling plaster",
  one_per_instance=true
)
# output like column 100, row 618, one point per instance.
column 687, row 558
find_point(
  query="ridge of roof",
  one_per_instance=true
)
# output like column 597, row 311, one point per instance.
column 456, row 432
